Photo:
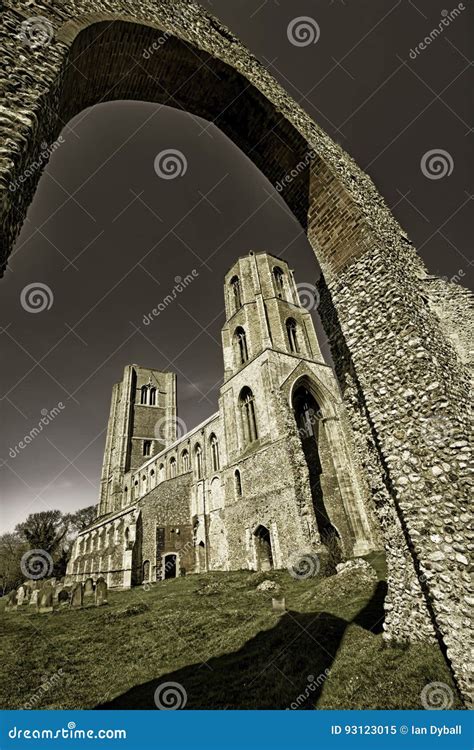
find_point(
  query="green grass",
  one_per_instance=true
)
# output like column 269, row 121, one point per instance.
column 219, row 638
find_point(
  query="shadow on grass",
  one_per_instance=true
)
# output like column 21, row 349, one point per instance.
column 279, row 668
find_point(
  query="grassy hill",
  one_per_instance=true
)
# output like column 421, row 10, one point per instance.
column 218, row 637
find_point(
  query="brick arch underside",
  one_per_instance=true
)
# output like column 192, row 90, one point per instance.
column 106, row 62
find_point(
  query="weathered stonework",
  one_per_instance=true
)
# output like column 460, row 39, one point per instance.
column 237, row 491
column 400, row 339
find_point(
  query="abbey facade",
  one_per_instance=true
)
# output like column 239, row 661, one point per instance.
column 269, row 478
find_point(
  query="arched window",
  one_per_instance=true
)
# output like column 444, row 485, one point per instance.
column 185, row 460
column 152, row 397
column 214, row 453
column 249, row 422
column 135, row 488
column 147, row 447
column 198, row 456
column 236, row 294
column 238, row 483
column 161, row 472
column 144, row 394
column 240, row 345
column 279, row 279
column 291, row 331
column 172, row 467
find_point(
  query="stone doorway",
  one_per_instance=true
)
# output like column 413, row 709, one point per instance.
column 170, row 566
column 263, row 548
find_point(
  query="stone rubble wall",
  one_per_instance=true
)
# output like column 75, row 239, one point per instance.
column 409, row 374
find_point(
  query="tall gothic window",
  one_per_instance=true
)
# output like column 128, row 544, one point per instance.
column 292, row 333
column 215, row 453
column 236, row 294
column 249, row 422
column 279, row 279
column 147, row 447
column 240, row 345
column 238, row 483
column 144, row 394
column 185, row 460
column 161, row 472
column 172, row 467
column 198, row 455
column 152, row 397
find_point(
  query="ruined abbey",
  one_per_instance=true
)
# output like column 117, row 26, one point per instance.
column 268, row 480
column 401, row 339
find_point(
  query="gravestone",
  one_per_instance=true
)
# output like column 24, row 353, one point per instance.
column 279, row 605
column 77, row 595
column 88, row 587
column 45, row 600
column 101, row 592
column 64, row 596
column 34, row 598
column 12, row 600
column 23, row 595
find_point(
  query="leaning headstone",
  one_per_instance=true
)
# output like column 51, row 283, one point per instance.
column 34, row 598
column 77, row 595
column 45, row 600
column 12, row 600
column 100, row 592
column 64, row 596
column 279, row 605
column 88, row 587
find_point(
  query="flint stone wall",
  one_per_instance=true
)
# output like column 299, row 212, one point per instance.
column 392, row 347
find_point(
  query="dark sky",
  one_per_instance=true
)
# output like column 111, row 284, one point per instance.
column 111, row 252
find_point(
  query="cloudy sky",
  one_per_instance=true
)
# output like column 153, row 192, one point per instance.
column 112, row 251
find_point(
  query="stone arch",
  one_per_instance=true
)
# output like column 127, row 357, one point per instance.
column 374, row 287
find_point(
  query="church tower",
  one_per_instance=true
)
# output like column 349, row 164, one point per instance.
column 142, row 422
column 263, row 311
